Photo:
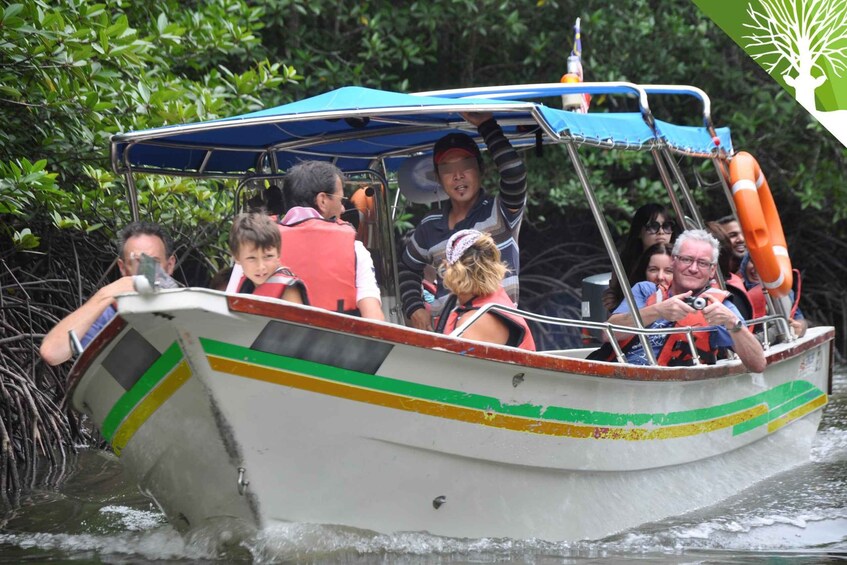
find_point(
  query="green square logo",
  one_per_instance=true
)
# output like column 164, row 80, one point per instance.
column 802, row 44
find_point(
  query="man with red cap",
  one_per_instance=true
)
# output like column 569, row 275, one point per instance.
column 458, row 164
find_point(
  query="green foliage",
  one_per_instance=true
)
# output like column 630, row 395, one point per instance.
column 75, row 73
column 78, row 72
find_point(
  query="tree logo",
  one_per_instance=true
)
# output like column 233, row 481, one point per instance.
column 803, row 44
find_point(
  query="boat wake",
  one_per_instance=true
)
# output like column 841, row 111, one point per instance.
column 146, row 539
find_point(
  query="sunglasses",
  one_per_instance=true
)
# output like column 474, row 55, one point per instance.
column 654, row 227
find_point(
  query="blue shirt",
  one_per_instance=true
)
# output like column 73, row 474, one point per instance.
column 98, row 325
column 642, row 291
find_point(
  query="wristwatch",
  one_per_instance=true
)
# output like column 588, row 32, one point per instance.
column 736, row 327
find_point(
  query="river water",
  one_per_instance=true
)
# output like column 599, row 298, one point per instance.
column 91, row 513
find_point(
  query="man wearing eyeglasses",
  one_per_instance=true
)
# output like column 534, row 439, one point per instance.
column 458, row 165
column 695, row 256
column 321, row 249
column 86, row 321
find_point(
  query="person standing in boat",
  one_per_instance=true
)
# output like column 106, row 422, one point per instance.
column 134, row 240
column 255, row 242
column 473, row 272
column 458, row 165
column 695, row 255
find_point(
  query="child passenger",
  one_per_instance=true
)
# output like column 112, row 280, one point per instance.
column 255, row 243
column 655, row 265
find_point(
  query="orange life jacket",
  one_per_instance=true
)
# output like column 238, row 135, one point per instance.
column 676, row 351
column 275, row 286
column 322, row 254
column 519, row 333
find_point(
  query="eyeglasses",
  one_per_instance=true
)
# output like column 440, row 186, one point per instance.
column 457, row 166
column 344, row 199
column 654, row 227
column 687, row 261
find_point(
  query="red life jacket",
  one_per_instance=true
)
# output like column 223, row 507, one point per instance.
column 757, row 300
column 519, row 334
column 676, row 351
column 322, row 254
column 755, row 296
column 275, row 286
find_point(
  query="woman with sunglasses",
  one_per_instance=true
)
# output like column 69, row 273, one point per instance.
column 473, row 272
column 650, row 225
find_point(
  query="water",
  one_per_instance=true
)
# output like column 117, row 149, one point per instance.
column 95, row 515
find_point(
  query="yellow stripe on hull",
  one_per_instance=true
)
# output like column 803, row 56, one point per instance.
column 158, row 396
column 798, row 412
column 474, row 416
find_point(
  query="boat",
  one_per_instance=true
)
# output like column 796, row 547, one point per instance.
column 236, row 409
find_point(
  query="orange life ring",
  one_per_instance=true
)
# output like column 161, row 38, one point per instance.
column 760, row 223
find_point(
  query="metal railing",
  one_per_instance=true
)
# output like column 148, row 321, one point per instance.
column 609, row 330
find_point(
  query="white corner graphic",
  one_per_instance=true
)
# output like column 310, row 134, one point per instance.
column 794, row 38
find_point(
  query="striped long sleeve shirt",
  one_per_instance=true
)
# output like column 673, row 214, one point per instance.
column 500, row 216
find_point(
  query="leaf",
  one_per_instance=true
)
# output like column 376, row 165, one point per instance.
column 25, row 239
column 11, row 11
column 10, row 91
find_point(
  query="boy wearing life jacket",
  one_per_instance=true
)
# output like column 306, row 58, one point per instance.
column 255, row 243
column 695, row 256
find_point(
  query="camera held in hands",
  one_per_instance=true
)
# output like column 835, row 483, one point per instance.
column 696, row 302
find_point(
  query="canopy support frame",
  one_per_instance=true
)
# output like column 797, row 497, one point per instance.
column 608, row 241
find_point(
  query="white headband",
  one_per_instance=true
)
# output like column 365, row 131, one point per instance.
column 460, row 242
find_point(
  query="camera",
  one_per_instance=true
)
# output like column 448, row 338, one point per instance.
column 696, row 302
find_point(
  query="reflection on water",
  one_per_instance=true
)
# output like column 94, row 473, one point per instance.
column 96, row 515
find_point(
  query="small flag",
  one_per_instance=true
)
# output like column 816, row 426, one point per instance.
column 576, row 102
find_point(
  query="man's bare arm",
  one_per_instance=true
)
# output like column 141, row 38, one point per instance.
column 371, row 308
column 55, row 348
column 673, row 309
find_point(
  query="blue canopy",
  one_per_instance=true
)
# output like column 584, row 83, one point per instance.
column 355, row 127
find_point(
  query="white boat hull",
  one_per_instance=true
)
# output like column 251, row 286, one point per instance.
column 336, row 420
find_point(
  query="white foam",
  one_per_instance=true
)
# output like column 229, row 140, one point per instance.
column 135, row 520
column 164, row 543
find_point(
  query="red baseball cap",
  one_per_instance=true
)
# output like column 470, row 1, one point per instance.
column 455, row 144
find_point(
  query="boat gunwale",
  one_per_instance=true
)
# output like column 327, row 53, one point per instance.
column 401, row 335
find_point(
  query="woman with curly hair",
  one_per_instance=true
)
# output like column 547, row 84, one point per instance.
column 473, row 272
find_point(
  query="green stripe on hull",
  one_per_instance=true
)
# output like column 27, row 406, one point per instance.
column 779, row 400
column 794, row 397
column 130, row 399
